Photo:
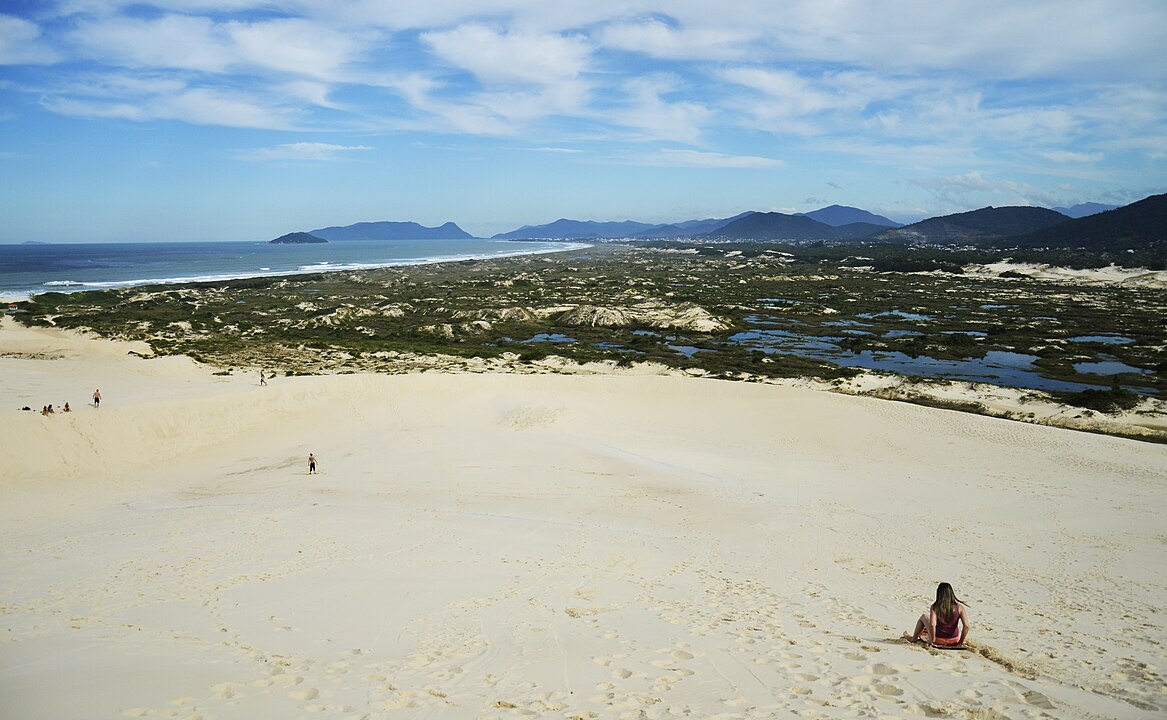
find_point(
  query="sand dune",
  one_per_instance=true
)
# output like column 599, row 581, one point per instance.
column 568, row 546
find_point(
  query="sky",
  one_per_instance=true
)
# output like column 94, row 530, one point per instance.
column 245, row 119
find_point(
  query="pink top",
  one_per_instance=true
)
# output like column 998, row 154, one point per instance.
column 949, row 629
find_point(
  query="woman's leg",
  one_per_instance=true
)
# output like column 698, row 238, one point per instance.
column 921, row 625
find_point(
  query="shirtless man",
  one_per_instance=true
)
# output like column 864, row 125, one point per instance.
column 311, row 463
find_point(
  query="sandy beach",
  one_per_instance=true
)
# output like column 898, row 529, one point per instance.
column 488, row 545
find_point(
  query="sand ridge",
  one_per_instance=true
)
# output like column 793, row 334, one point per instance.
column 506, row 546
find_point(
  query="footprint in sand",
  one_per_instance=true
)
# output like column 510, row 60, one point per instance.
column 226, row 690
column 1036, row 699
column 304, row 694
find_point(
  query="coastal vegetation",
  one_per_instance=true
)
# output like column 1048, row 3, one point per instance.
column 728, row 310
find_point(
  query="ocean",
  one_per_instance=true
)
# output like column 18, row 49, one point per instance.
column 27, row 270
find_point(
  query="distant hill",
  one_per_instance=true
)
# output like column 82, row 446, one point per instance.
column 689, row 228
column 296, row 238
column 564, row 229
column 775, row 226
column 1082, row 210
column 1142, row 224
column 975, row 227
column 838, row 215
column 392, row 231
column 857, row 230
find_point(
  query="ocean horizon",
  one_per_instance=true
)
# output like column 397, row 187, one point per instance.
column 32, row 269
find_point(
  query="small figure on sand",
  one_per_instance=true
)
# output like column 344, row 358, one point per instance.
column 944, row 623
column 66, row 408
column 311, row 464
column 262, row 378
column 97, row 398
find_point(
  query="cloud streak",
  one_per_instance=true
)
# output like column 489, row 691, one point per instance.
column 694, row 158
column 303, row 151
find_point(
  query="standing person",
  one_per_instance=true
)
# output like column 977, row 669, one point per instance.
column 311, row 463
column 262, row 378
column 97, row 398
column 945, row 623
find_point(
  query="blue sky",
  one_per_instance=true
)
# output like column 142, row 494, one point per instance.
column 243, row 120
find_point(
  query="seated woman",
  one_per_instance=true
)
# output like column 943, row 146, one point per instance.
column 946, row 621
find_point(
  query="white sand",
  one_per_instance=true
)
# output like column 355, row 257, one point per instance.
column 1110, row 275
column 554, row 546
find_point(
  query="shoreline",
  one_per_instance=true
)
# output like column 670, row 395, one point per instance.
column 485, row 544
column 78, row 286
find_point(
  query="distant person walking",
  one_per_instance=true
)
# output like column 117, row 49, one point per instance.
column 311, row 464
column 262, row 378
column 97, row 398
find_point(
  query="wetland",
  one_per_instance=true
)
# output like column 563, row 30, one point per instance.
column 745, row 311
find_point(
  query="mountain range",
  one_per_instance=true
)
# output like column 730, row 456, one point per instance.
column 1088, row 225
column 1141, row 224
column 1081, row 210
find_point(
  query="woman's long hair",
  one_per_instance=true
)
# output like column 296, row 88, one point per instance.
column 946, row 602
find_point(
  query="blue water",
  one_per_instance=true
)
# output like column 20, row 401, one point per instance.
column 996, row 366
column 1104, row 339
column 27, row 270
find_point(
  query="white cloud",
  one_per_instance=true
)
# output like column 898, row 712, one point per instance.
column 120, row 96
column 787, row 93
column 657, row 118
column 971, row 189
column 305, row 151
column 214, row 106
column 694, row 158
column 173, row 42
column 297, row 46
column 310, row 91
column 981, row 39
column 657, row 39
column 21, row 44
column 1069, row 156
column 511, row 57
column 906, row 84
